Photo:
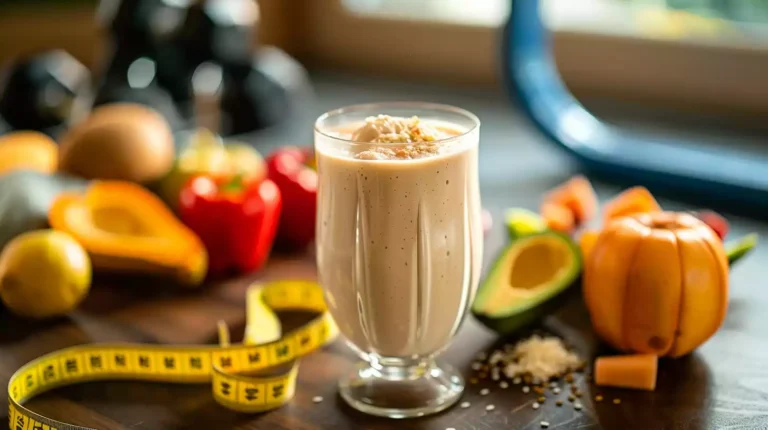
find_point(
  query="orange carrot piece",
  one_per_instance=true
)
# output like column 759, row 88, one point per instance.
column 578, row 196
column 587, row 242
column 558, row 217
column 632, row 201
column 627, row 371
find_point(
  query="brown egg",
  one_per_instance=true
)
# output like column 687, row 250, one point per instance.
column 119, row 141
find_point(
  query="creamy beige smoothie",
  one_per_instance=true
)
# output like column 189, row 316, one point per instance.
column 399, row 231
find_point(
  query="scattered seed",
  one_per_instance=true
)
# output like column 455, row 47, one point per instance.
column 556, row 390
column 450, row 428
column 571, row 398
column 559, row 403
column 598, row 398
column 496, row 357
column 538, row 390
column 541, row 399
column 536, row 381
column 577, row 406
column 495, row 374
column 527, row 379
column 476, row 365
column 516, row 380
column 535, row 405
column 569, row 377
column 574, row 388
column 553, row 385
column 317, row 399
column 464, row 405
column 484, row 392
column 616, row 401
column 481, row 355
column 503, row 385
column 473, row 380
column 544, row 424
column 490, row 407
column 578, row 394
column 526, row 389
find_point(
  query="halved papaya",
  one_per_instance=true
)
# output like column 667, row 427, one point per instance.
column 124, row 227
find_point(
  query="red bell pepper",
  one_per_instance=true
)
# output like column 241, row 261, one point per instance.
column 292, row 171
column 236, row 221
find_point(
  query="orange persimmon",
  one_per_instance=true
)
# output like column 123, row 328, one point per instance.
column 576, row 195
column 656, row 283
column 587, row 242
column 631, row 201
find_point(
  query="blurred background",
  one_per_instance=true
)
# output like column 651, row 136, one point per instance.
column 693, row 68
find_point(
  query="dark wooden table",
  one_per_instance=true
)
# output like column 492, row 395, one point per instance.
column 724, row 384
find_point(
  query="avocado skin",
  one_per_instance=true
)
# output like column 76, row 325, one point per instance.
column 513, row 323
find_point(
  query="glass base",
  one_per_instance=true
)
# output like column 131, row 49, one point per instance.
column 400, row 389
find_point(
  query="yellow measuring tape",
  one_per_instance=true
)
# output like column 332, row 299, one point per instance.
column 230, row 369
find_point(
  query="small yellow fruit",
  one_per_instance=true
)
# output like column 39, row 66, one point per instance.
column 44, row 273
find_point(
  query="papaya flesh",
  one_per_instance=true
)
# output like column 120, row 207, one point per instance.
column 126, row 228
column 570, row 205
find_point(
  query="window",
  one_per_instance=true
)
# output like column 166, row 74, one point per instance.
column 702, row 55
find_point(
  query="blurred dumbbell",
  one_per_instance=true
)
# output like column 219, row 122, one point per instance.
column 148, row 29
column 139, row 84
column 166, row 72
column 219, row 31
column 262, row 92
column 142, row 24
column 44, row 91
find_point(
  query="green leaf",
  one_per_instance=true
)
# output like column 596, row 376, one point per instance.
column 736, row 250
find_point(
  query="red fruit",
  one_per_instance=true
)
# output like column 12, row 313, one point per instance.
column 715, row 221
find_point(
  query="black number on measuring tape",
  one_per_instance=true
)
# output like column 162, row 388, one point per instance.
column 225, row 361
column 30, row 381
column 144, row 361
column 20, row 422
column 120, row 360
column 277, row 390
column 251, row 394
column 70, row 365
column 38, row 426
column 225, row 387
column 169, row 362
column 304, row 340
column 96, row 361
column 48, row 372
column 282, row 350
column 254, row 358
column 195, row 362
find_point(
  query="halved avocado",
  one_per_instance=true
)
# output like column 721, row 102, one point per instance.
column 526, row 281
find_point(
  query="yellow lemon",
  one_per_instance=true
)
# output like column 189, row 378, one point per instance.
column 44, row 273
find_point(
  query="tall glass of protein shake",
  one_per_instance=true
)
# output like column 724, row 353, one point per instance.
column 399, row 246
